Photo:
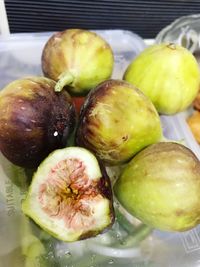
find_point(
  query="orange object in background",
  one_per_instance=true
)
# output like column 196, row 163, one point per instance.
column 194, row 123
column 78, row 102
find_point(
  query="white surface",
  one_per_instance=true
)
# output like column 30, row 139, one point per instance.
column 4, row 27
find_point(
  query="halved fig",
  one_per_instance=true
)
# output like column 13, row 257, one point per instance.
column 70, row 196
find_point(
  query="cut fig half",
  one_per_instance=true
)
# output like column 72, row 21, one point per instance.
column 70, row 195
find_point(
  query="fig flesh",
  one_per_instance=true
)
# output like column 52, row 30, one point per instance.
column 70, row 195
column 78, row 59
column 34, row 120
column 117, row 121
column 161, row 187
column 168, row 74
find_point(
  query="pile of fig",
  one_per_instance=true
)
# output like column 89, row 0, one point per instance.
column 75, row 123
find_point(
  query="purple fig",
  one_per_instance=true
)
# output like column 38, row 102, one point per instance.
column 117, row 120
column 34, row 120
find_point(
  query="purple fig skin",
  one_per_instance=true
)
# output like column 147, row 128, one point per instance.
column 34, row 120
column 116, row 121
column 105, row 187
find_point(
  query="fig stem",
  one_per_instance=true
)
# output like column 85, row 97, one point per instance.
column 65, row 78
column 141, row 232
column 125, row 224
column 136, row 233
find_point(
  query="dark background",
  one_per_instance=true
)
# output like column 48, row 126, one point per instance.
column 146, row 18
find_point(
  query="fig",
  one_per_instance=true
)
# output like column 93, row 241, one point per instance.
column 34, row 119
column 168, row 74
column 70, row 195
column 117, row 121
column 78, row 59
column 161, row 187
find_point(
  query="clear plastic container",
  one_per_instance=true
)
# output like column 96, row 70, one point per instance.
column 23, row 244
column 184, row 31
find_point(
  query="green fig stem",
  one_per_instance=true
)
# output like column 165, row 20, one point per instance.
column 140, row 233
column 125, row 224
column 64, row 79
column 136, row 234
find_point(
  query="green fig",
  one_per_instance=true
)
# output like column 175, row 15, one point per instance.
column 116, row 121
column 70, row 196
column 34, row 120
column 78, row 59
column 168, row 74
column 161, row 187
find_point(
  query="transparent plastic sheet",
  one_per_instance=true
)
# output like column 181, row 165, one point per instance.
column 128, row 243
column 185, row 31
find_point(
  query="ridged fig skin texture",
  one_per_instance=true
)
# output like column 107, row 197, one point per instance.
column 168, row 74
column 34, row 120
column 77, row 58
column 161, row 187
column 116, row 121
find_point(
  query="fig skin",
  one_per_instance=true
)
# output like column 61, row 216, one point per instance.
column 78, row 59
column 34, row 120
column 168, row 74
column 116, row 121
column 161, row 187
column 70, row 195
